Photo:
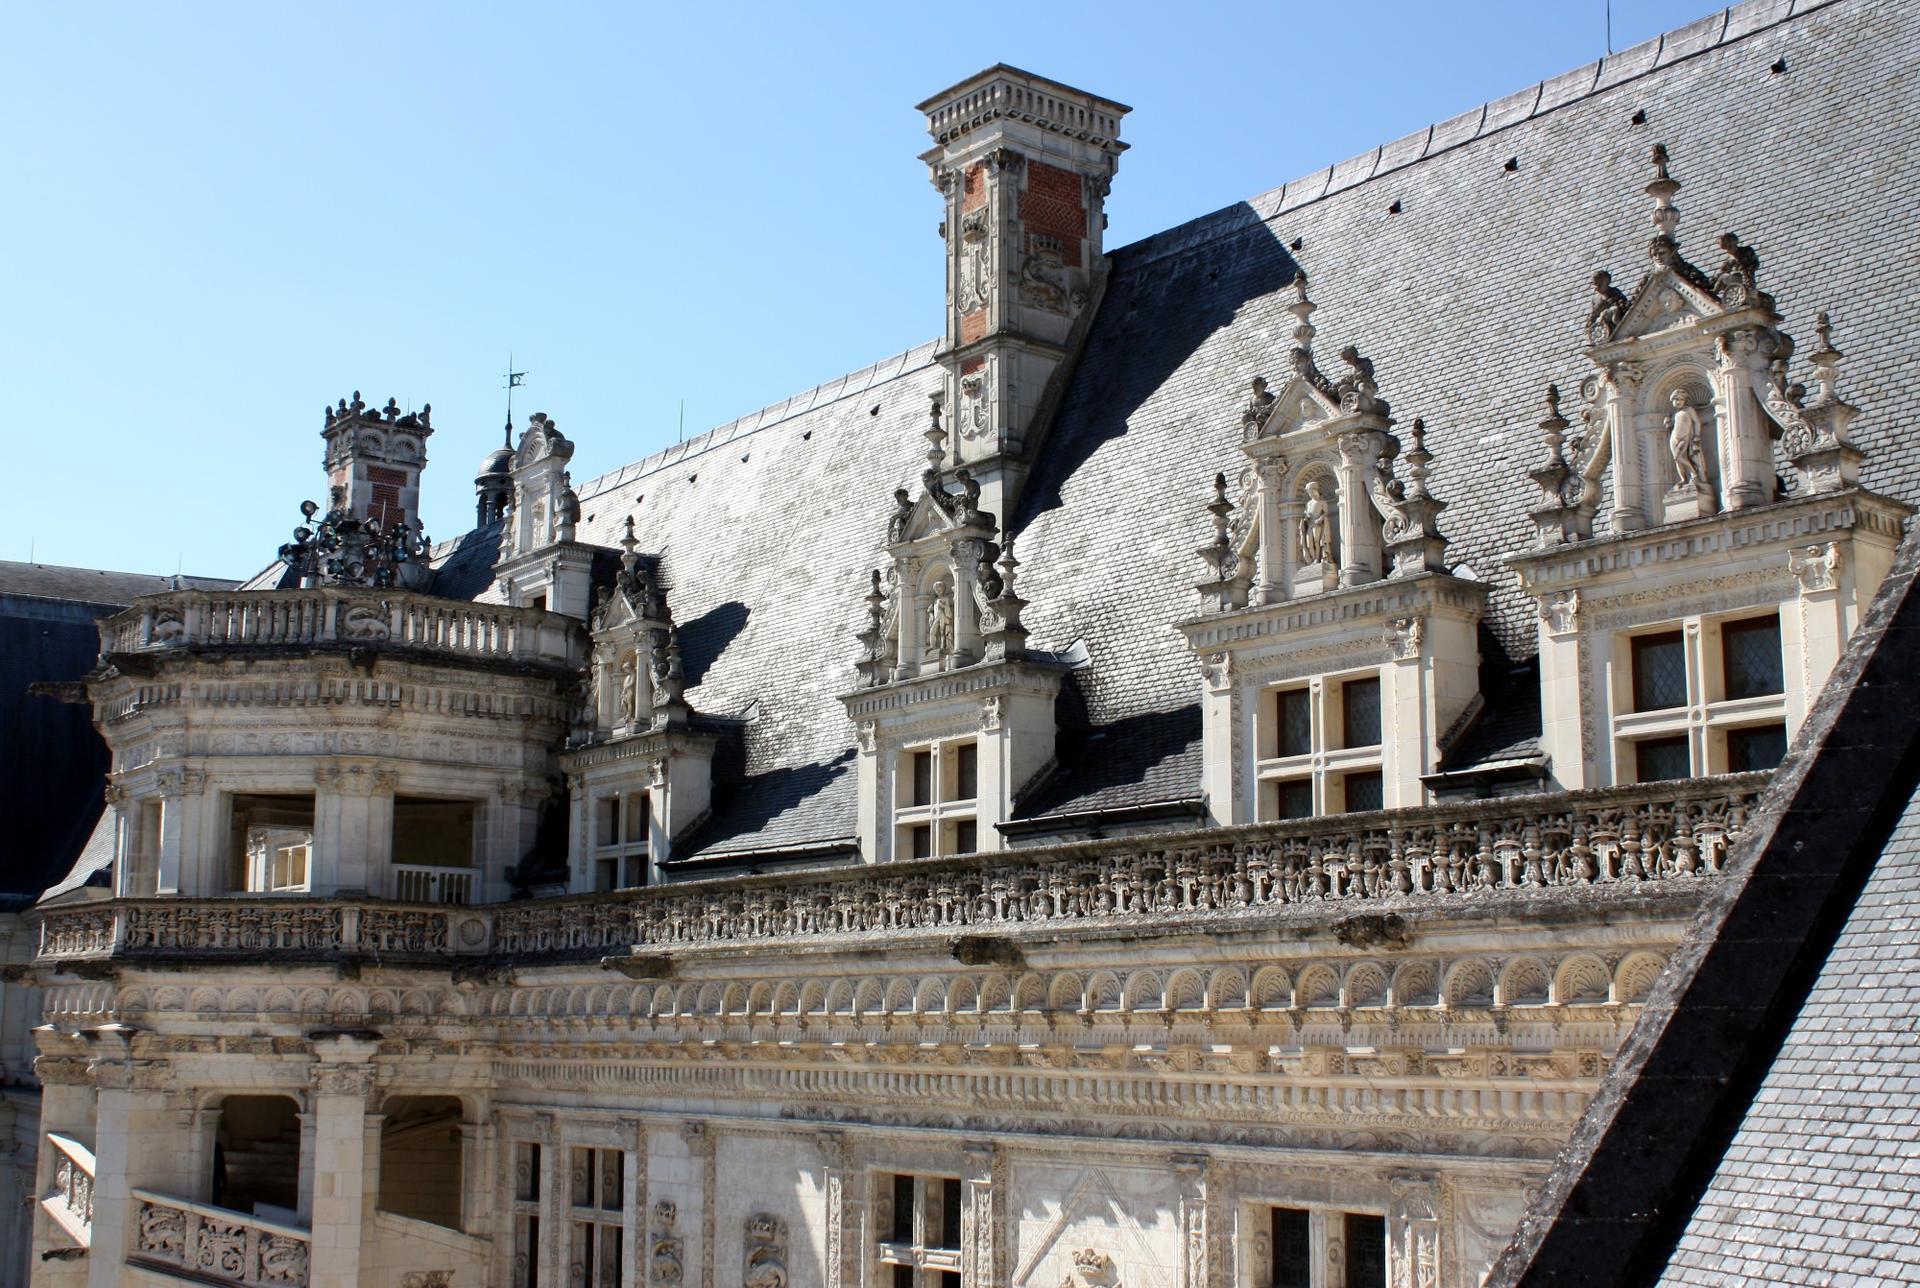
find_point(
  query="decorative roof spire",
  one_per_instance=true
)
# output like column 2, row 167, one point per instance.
column 628, row 548
column 1217, row 592
column 1559, row 517
column 1821, row 448
column 1666, row 215
column 936, row 436
column 1302, row 309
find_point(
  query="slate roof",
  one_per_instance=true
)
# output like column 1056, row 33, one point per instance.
column 53, row 764
column 1761, row 1123
column 1821, row 1182
column 1469, row 300
column 94, row 585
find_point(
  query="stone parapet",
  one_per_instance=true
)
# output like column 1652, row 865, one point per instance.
column 1548, row 849
column 383, row 620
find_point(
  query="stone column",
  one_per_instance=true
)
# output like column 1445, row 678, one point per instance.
column 1629, row 503
column 304, row 1204
column 352, row 829
column 1279, row 520
column 1194, row 1173
column 983, row 1252
column 1360, row 557
column 135, row 1145
column 843, row 1242
column 1746, row 445
column 343, row 1077
column 700, row 1148
column 1413, row 1231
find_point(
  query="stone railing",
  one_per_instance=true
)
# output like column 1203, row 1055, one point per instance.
column 215, row 1244
column 391, row 619
column 246, row 927
column 1552, row 845
column 71, row 1203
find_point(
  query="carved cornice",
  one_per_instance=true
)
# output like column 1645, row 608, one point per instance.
column 968, row 685
column 1297, row 622
column 1785, row 525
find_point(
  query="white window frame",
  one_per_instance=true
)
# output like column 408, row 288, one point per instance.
column 630, row 857
column 1327, row 763
column 941, row 814
column 1708, row 715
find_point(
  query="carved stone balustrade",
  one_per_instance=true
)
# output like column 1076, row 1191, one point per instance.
column 71, row 1203
column 385, row 620
column 216, row 1245
column 248, row 928
column 1553, row 847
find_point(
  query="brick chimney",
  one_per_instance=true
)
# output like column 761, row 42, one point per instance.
column 374, row 458
column 1024, row 164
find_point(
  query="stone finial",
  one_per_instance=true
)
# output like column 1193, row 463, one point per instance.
column 1302, row 309
column 1217, row 592
column 1819, row 443
column 874, row 665
column 1005, row 636
column 670, row 707
column 1412, row 512
column 1559, row 517
column 1666, row 215
column 936, row 436
column 629, row 546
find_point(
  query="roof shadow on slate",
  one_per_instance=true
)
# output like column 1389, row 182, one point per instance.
column 467, row 570
column 1152, row 319
column 704, row 638
column 1101, row 767
column 751, row 809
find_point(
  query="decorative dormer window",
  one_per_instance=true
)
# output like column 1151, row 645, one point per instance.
column 639, row 772
column 1336, row 648
column 955, row 714
column 541, row 564
column 1691, row 637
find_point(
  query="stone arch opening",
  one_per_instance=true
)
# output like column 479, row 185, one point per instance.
column 422, row 1158
column 256, row 1156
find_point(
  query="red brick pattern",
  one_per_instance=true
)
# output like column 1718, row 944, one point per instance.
column 973, row 326
column 1054, row 206
column 974, row 195
column 972, row 365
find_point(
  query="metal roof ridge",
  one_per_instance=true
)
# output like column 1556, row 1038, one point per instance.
column 1721, row 27
column 765, row 417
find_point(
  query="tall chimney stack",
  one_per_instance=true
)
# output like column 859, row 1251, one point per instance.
column 1025, row 164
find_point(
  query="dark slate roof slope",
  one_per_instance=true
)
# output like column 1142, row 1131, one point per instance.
column 1821, row 1181
column 94, row 585
column 1759, row 1123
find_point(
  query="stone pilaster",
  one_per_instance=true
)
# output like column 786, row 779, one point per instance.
column 1413, row 1231
column 983, row 1251
column 343, row 1078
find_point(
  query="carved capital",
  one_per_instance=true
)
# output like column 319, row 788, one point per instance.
column 1816, row 568
column 1404, row 636
column 331, row 1079
column 355, row 780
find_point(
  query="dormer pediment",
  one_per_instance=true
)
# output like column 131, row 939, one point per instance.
column 1300, row 406
column 1664, row 301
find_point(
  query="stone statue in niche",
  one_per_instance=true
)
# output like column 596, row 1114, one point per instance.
column 1316, row 526
column 1689, row 455
column 940, row 624
column 630, row 688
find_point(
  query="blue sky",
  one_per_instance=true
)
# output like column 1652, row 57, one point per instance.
column 218, row 218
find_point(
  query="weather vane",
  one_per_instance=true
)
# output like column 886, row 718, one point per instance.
column 514, row 380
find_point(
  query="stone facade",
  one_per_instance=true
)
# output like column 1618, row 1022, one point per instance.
column 555, row 906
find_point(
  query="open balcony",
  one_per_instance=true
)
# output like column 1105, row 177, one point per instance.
column 1536, row 853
